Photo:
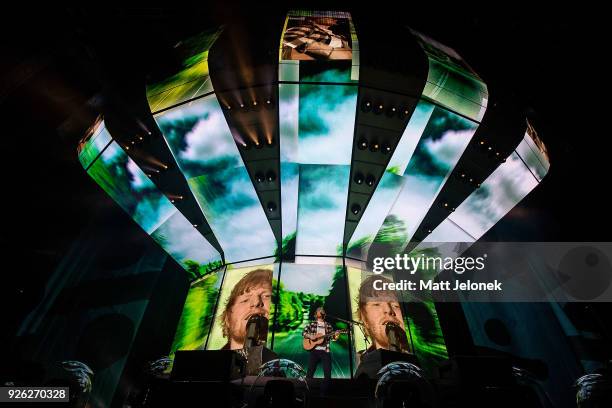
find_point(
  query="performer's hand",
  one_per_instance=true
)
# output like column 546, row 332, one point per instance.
column 336, row 335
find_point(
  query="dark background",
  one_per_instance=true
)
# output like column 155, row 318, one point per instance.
column 55, row 60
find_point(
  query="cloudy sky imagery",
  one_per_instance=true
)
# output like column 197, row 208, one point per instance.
column 136, row 194
column 207, row 154
column 497, row 195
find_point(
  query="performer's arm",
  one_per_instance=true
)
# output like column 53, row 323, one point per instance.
column 331, row 330
column 306, row 332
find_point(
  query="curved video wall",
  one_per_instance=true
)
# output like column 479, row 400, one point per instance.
column 238, row 264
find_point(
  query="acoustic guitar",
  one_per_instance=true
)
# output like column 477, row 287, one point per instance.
column 309, row 344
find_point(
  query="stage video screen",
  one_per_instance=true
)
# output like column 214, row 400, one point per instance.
column 431, row 146
column 302, row 289
column 451, row 82
column 94, row 142
column 390, row 320
column 313, row 36
column 315, row 146
column 126, row 183
column 195, row 322
column 192, row 78
column 202, row 143
column 246, row 294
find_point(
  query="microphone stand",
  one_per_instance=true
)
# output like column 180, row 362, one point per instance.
column 354, row 323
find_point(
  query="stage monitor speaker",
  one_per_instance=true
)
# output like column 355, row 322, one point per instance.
column 483, row 370
column 373, row 361
column 207, row 365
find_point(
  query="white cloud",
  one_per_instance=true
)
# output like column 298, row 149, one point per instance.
column 447, row 149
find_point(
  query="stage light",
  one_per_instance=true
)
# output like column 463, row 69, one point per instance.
column 355, row 209
column 404, row 113
column 271, row 206
column 370, row 180
column 366, row 106
column 268, row 101
column 254, row 103
column 363, row 143
column 259, row 177
column 270, row 176
column 195, row 225
column 391, row 111
column 258, row 145
column 378, row 109
column 374, row 147
column 386, row 148
column 358, row 178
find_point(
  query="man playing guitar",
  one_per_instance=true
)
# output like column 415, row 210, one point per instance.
column 317, row 336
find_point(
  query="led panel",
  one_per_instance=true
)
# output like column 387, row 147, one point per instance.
column 127, row 184
column 91, row 146
column 497, row 195
column 206, row 152
column 317, row 36
column 440, row 146
column 197, row 316
column 417, row 317
column 302, row 289
column 192, row 80
column 244, row 293
column 390, row 184
column 451, row 82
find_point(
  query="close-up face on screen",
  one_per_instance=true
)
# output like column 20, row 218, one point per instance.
column 261, row 205
column 245, row 292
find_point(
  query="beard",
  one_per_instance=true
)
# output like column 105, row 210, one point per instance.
column 238, row 326
column 377, row 331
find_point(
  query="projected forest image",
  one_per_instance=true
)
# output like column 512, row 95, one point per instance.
column 302, row 289
column 191, row 80
column 195, row 322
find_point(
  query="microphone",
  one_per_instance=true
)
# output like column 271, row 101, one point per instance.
column 397, row 337
column 256, row 330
